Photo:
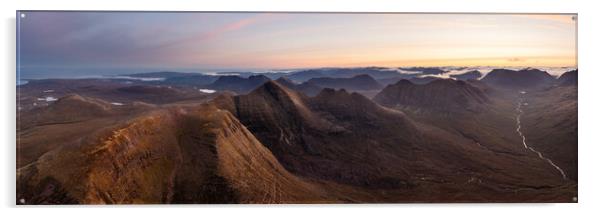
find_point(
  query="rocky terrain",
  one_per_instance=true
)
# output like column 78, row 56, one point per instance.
column 314, row 136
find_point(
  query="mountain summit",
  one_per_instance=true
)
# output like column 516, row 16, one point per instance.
column 528, row 78
column 359, row 82
column 441, row 95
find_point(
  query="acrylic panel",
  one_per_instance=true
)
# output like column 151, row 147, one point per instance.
column 279, row 107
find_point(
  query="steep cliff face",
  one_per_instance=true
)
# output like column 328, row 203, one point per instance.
column 274, row 112
column 254, row 173
column 168, row 156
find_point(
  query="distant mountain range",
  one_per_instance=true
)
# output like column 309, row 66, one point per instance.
column 358, row 82
column 238, row 84
column 474, row 74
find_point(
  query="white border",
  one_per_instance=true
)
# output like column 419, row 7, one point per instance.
column 590, row 95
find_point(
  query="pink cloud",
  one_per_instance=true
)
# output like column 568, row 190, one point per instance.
column 216, row 32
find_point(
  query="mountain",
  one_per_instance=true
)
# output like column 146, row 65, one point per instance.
column 162, row 74
column 375, row 72
column 238, row 84
column 191, row 80
column 345, row 138
column 70, row 109
column 40, row 93
column 174, row 78
column 568, row 78
column 202, row 155
column 148, row 90
column 360, row 82
column 528, row 78
column 148, row 93
column 313, row 136
column 550, row 124
column 414, row 78
column 475, row 74
column 425, row 70
column 445, row 95
column 43, row 129
column 460, row 107
column 306, row 88
column 282, row 141
column 423, row 80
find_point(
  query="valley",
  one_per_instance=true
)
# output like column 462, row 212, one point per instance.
column 348, row 135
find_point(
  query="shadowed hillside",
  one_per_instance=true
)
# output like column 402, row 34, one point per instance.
column 202, row 155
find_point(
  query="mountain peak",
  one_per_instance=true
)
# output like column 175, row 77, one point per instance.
column 362, row 76
column 238, row 84
column 568, row 78
column 71, row 97
column 523, row 79
column 70, row 108
column 342, row 102
column 271, row 87
column 442, row 94
column 258, row 77
column 358, row 82
column 284, row 80
column 473, row 74
column 75, row 101
column 329, row 92
column 306, row 88
column 448, row 82
column 403, row 82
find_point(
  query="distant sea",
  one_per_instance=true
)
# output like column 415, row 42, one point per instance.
column 32, row 74
column 26, row 74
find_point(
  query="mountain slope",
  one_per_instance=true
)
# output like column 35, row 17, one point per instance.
column 441, row 95
column 64, row 121
column 306, row 88
column 528, row 78
column 475, row 74
column 550, row 125
column 347, row 139
column 71, row 108
column 202, row 155
column 304, row 136
column 375, row 72
column 238, row 84
column 359, row 82
column 568, row 78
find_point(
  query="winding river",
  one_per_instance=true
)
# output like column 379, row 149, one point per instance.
column 518, row 127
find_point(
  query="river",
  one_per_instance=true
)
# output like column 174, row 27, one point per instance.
column 519, row 110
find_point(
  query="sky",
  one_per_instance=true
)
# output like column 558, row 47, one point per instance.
column 54, row 42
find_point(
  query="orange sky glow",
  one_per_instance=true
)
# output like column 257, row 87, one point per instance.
column 297, row 40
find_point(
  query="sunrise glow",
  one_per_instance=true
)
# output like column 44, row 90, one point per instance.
column 293, row 40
